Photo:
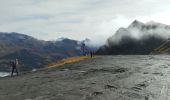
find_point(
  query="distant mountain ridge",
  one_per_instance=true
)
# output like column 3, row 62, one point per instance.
column 137, row 38
column 33, row 53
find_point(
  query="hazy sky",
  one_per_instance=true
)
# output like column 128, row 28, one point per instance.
column 78, row 19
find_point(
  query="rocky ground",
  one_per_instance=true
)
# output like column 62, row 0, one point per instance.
column 102, row 78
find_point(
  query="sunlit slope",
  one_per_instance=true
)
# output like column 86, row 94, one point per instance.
column 68, row 60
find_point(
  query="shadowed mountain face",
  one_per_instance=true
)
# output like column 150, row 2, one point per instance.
column 33, row 53
column 132, row 46
column 138, row 38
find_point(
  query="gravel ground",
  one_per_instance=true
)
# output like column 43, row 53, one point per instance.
column 144, row 77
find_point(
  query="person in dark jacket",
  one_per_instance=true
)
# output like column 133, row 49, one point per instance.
column 91, row 54
column 14, row 67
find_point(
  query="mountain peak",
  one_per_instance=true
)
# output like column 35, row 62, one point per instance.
column 136, row 24
column 135, row 21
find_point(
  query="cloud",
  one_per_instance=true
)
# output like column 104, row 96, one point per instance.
column 78, row 19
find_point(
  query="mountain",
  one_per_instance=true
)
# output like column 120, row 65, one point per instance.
column 137, row 38
column 33, row 53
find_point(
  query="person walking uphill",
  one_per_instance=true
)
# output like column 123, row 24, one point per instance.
column 14, row 67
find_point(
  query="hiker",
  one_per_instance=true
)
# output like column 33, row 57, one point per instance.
column 91, row 54
column 14, row 64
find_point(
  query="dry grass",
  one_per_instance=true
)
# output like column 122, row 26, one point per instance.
column 67, row 61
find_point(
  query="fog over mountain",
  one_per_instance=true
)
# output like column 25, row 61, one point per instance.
column 139, row 30
column 137, row 38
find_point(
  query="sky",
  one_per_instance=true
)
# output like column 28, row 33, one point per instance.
column 78, row 19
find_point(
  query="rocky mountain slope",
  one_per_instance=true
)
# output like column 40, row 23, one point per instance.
column 33, row 53
column 163, row 49
column 137, row 38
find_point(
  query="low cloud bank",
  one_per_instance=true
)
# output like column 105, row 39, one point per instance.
column 138, row 30
column 137, row 38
